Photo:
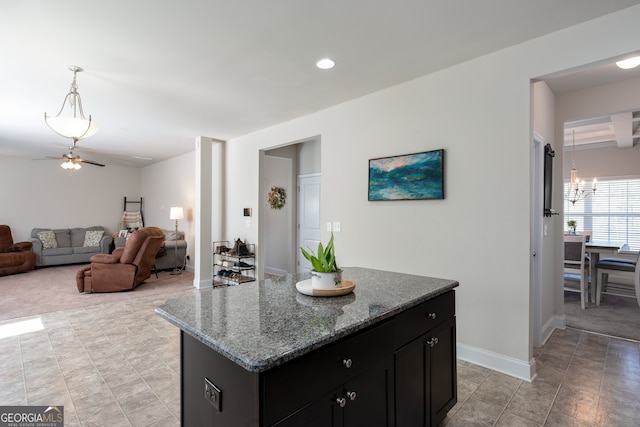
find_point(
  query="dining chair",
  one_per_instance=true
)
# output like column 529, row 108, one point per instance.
column 621, row 268
column 576, row 266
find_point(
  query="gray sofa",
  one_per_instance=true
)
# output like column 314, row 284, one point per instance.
column 68, row 245
column 167, row 258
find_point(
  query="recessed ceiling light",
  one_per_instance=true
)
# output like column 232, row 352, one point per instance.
column 326, row 64
column 627, row 64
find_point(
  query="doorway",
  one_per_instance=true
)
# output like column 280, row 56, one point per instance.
column 591, row 94
column 278, row 229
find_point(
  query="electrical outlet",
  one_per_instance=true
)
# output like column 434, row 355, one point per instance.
column 212, row 394
column 337, row 226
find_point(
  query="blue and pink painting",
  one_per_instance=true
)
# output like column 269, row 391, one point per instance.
column 416, row 176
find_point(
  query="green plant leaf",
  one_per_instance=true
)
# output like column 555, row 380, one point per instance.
column 325, row 260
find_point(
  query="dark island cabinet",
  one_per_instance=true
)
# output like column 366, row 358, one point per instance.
column 399, row 372
column 363, row 401
column 344, row 384
column 425, row 366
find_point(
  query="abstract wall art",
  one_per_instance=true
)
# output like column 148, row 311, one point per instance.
column 417, row 176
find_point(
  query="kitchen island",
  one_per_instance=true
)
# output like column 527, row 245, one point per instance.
column 264, row 354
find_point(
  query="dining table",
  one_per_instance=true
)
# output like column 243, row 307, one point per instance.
column 594, row 249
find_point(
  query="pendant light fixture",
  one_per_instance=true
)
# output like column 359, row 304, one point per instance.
column 576, row 191
column 74, row 125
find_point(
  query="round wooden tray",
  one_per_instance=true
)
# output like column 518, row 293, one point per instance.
column 304, row 287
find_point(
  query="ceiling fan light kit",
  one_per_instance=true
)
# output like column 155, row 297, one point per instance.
column 70, row 165
column 74, row 126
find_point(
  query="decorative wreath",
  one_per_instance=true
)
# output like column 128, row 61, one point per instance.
column 277, row 197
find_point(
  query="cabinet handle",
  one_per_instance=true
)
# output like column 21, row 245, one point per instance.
column 432, row 342
column 341, row 401
column 351, row 395
column 431, row 316
column 347, row 363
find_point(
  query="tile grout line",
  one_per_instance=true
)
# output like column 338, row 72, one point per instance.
column 507, row 405
column 99, row 372
column 55, row 353
column 149, row 385
column 604, row 367
column 564, row 376
column 24, row 377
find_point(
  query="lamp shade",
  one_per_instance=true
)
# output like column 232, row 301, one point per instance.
column 176, row 213
column 72, row 127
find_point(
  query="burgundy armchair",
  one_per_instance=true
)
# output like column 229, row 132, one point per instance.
column 126, row 267
column 14, row 257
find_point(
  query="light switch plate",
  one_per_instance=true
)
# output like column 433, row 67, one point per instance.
column 328, row 226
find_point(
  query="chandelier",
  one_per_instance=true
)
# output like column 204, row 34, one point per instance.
column 576, row 190
column 75, row 125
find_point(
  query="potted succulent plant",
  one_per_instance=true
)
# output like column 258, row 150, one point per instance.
column 325, row 273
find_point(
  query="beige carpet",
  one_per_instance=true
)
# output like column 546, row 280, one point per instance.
column 615, row 316
column 52, row 289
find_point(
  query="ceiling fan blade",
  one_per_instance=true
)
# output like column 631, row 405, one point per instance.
column 89, row 162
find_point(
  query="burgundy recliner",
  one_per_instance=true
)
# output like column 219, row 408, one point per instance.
column 14, row 257
column 126, row 267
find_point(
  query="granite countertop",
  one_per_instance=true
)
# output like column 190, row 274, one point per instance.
column 260, row 325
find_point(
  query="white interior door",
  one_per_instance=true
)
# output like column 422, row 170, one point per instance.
column 308, row 217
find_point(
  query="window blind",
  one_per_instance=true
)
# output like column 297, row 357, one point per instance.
column 612, row 214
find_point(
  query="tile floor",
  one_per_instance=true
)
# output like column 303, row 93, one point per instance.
column 583, row 379
column 118, row 364
column 115, row 364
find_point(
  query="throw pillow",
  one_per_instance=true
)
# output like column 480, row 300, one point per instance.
column 48, row 239
column 63, row 238
column 93, row 237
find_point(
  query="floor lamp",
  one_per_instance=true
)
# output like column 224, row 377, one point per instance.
column 176, row 213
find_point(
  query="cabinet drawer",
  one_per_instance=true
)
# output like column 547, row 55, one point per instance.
column 296, row 383
column 412, row 323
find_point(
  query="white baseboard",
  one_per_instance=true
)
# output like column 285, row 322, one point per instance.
column 202, row 284
column 276, row 271
column 555, row 322
column 497, row 362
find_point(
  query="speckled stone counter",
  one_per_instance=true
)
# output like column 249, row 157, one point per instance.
column 260, row 325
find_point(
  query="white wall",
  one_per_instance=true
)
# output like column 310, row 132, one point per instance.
column 39, row 193
column 480, row 113
column 166, row 184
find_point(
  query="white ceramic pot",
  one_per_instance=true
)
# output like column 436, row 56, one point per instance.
column 329, row 280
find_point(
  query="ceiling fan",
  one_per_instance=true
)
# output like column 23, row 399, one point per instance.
column 73, row 161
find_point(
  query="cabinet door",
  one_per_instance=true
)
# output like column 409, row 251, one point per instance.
column 425, row 377
column 363, row 401
column 367, row 399
column 443, row 371
column 410, row 376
